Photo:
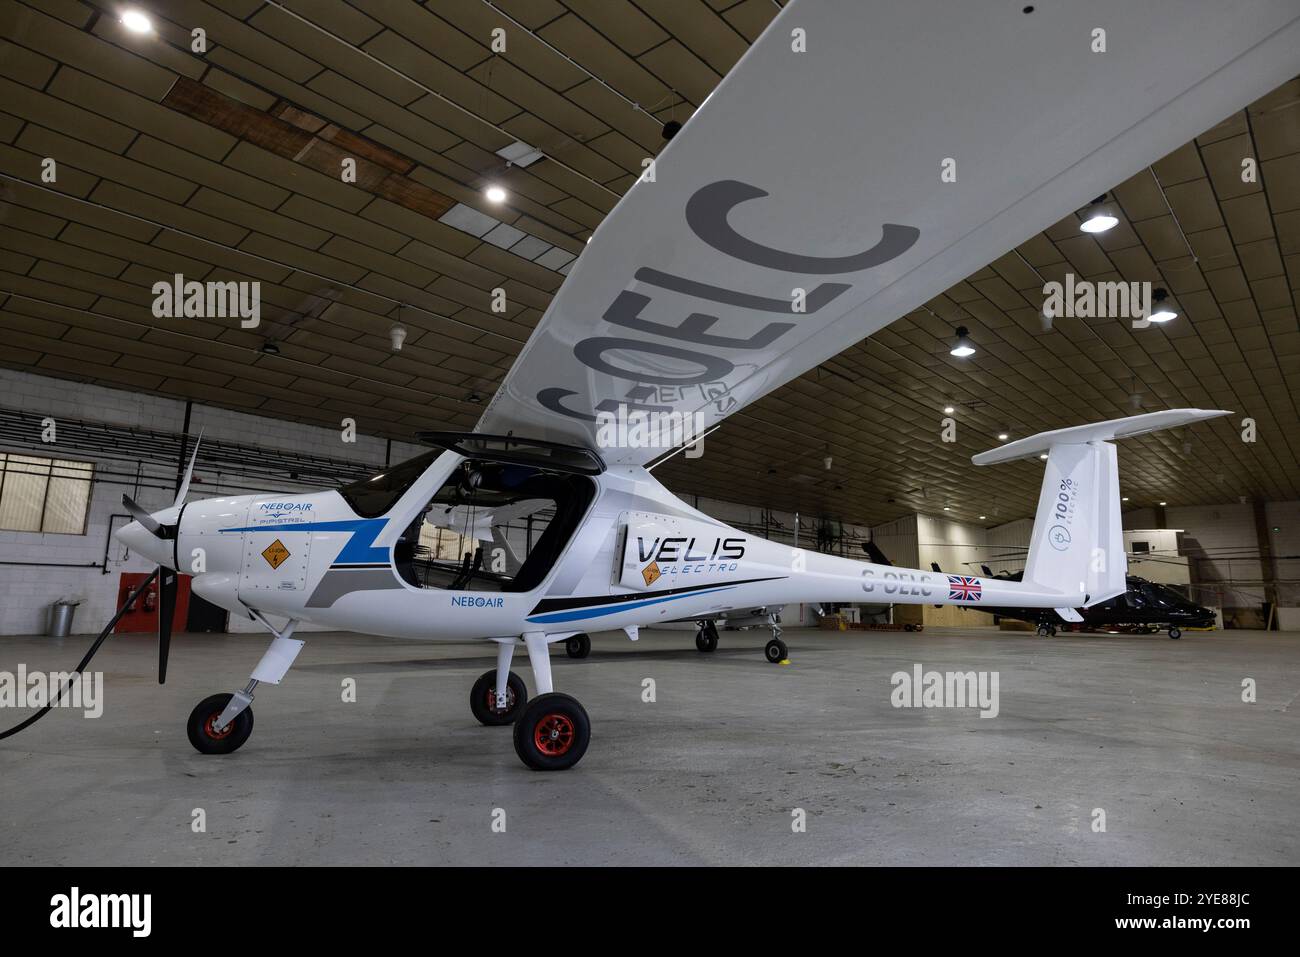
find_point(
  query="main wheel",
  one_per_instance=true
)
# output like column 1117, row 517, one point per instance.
column 553, row 732
column 201, row 726
column 578, row 646
column 1175, row 632
column 483, row 699
column 775, row 651
column 706, row 639
column 1044, row 631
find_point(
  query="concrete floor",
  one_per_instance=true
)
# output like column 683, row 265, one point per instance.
column 1151, row 730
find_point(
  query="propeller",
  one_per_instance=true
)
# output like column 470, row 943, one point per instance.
column 168, row 583
column 150, row 523
column 168, row 578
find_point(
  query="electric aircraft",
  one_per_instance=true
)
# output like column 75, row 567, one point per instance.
column 803, row 207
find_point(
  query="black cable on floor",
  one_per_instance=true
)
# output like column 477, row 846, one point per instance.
column 103, row 635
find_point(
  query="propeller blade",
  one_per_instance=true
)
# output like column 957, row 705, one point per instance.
column 150, row 523
column 168, row 582
column 185, row 482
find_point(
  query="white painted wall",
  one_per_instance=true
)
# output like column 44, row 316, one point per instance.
column 1285, row 518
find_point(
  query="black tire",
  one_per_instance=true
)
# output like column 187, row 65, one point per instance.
column 577, row 646
column 553, row 732
column 205, row 714
column 483, row 699
column 706, row 639
column 1043, row 631
column 1175, row 632
column 775, row 651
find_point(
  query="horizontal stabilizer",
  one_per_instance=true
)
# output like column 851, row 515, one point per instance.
column 1097, row 432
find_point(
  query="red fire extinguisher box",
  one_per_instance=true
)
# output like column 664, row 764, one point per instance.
column 143, row 615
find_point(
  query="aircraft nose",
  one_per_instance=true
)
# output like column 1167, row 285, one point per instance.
column 143, row 542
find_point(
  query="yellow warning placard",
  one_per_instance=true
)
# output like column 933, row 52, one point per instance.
column 651, row 573
column 275, row 553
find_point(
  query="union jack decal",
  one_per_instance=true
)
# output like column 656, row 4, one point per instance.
column 961, row 588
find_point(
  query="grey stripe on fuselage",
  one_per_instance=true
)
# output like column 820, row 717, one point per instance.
column 338, row 582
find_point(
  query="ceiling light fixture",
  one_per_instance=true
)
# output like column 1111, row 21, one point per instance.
column 136, row 22
column 397, row 335
column 270, row 348
column 947, row 410
column 1100, row 218
column 1043, row 456
column 1124, row 499
column 963, row 346
column 495, row 194
column 1162, row 310
column 982, row 517
column 1003, row 436
column 1164, row 503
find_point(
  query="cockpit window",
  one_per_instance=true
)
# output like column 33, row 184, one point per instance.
column 372, row 497
column 493, row 526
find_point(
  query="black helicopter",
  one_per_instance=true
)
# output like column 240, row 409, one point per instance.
column 1148, row 606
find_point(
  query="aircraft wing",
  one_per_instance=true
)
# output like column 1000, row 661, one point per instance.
column 807, row 203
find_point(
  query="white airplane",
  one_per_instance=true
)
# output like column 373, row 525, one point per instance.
column 801, row 209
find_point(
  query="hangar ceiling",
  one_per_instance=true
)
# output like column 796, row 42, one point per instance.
column 224, row 165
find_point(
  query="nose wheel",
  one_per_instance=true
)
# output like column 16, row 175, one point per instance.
column 206, row 733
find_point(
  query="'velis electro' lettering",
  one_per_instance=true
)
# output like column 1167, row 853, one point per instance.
column 683, row 549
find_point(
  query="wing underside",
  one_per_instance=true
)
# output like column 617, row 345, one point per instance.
column 805, row 205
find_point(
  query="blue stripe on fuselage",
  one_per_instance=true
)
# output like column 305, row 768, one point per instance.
column 579, row 614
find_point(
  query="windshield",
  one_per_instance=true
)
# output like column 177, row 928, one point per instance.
column 372, row 497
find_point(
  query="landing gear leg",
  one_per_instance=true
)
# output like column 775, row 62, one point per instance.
column 775, row 650
column 553, row 731
column 499, row 696
column 221, row 723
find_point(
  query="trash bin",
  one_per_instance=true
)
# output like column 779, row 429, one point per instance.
column 61, row 613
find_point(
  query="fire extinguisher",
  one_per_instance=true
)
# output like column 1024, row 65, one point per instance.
column 151, row 601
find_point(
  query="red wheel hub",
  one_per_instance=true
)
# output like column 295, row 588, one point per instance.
column 554, row 734
column 210, row 727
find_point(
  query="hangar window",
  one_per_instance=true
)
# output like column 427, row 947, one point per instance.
column 44, row 495
column 493, row 526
